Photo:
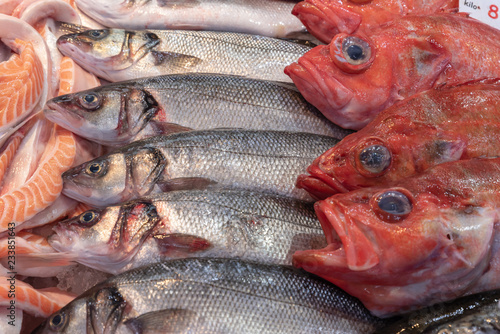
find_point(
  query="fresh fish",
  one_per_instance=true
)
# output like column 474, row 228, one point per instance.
column 431, row 239
column 116, row 55
column 261, row 17
column 257, row 160
column 356, row 76
column 429, row 128
column 221, row 223
column 212, row 296
column 117, row 114
column 327, row 18
column 479, row 313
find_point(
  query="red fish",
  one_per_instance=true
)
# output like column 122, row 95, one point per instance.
column 429, row 128
column 356, row 76
column 326, row 18
column 431, row 239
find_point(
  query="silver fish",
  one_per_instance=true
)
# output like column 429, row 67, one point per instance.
column 209, row 223
column 117, row 55
column 252, row 159
column 212, row 296
column 479, row 314
column 262, row 17
column 119, row 113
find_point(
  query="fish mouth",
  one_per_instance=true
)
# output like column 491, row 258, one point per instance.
column 324, row 20
column 349, row 249
column 56, row 113
column 319, row 184
column 316, row 82
column 63, row 238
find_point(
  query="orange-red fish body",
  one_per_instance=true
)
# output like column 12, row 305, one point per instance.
column 431, row 239
column 326, row 18
column 356, row 76
column 429, row 128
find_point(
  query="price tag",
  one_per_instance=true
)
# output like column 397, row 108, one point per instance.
column 486, row 11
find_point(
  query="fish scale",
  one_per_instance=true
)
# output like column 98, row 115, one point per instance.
column 252, row 159
column 222, row 296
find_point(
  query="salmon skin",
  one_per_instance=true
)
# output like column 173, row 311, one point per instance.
column 213, row 296
column 326, row 18
column 222, row 223
column 432, row 238
column 257, row 160
column 117, row 55
column 262, row 17
column 117, row 114
column 429, row 128
column 356, row 76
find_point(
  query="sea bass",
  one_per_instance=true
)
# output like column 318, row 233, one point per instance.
column 327, row 18
column 117, row 114
column 186, row 223
column 479, row 313
column 429, row 128
column 212, row 296
column 258, row 160
column 116, row 55
column 261, row 17
column 356, row 76
column 431, row 239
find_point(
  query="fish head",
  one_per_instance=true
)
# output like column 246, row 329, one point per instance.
column 99, row 310
column 110, row 115
column 103, row 51
column 115, row 177
column 70, row 319
column 390, row 148
column 390, row 247
column 106, row 239
column 355, row 77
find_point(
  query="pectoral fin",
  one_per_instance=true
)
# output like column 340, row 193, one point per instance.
column 179, row 245
column 177, row 61
column 164, row 321
column 444, row 150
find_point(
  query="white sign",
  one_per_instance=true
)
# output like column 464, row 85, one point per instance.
column 486, row 11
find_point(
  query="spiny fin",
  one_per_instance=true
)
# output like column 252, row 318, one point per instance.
column 181, row 244
column 445, row 150
column 185, row 183
column 167, row 128
column 164, row 321
column 177, row 61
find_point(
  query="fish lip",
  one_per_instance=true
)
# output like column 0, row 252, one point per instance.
column 63, row 237
column 316, row 174
column 333, row 95
column 332, row 20
column 337, row 224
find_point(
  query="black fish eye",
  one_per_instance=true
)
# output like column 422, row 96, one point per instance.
column 90, row 101
column 152, row 37
column 89, row 218
column 356, row 51
column 57, row 321
column 393, row 205
column 375, row 159
column 97, row 34
column 95, row 169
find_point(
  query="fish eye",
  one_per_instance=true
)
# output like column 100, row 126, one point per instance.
column 89, row 218
column 152, row 37
column 97, row 168
column 98, row 34
column 351, row 54
column 57, row 321
column 392, row 205
column 90, row 101
column 375, row 159
column 372, row 158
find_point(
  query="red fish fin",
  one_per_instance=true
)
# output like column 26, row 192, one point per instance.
column 185, row 183
column 181, row 244
column 427, row 60
column 164, row 321
column 444, row 150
